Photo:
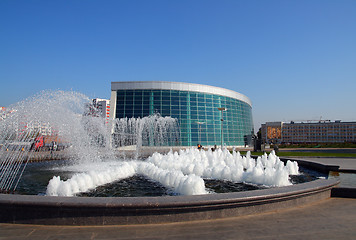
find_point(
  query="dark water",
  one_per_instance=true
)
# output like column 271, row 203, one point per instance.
column 221, row 186
column 136, row 186
column 37, row 175
column 306, row 175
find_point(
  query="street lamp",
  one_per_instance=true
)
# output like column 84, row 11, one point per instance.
column 199, row 125
column 222, row 119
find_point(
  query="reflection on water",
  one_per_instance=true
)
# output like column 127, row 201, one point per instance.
column 307, row 175
column 136, row 186
column 139, row 186
column 36, row 176
column 347, row 180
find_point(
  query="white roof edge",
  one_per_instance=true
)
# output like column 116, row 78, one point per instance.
column 194, row 87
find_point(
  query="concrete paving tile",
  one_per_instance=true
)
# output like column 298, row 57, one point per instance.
column 44, row 230
column 17, row 230
column 78, row 236
column 12, row 237
column 129, row 232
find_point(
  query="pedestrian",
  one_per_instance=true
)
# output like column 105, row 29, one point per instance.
column 55, row 146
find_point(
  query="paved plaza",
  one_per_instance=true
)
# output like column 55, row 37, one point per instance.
column 333, row 218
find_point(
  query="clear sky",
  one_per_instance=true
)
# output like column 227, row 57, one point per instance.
column 295, row 60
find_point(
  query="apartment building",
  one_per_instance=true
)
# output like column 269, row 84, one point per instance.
column 324, row 131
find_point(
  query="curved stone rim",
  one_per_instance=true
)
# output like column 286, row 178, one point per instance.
column 48, row 210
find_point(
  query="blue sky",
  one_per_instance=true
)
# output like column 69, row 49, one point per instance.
column 295, row 60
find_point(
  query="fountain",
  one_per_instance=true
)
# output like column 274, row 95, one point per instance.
column 90, row 149
column 92, row 144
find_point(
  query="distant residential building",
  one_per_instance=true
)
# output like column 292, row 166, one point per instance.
column 3, row 113
column 23, row 126
column 324, row 131
column 40, row 127
column 101, row 107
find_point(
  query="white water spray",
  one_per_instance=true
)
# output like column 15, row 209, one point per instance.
column 183, row 172
column 47, row 113
column 152, row 130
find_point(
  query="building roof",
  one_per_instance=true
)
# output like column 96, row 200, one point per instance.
column 181, row 86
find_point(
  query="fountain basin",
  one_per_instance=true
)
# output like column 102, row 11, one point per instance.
column 49, row 210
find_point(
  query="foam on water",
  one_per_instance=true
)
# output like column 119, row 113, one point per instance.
column 82, row 182
column 266, row 170
column 182, row 171
column 176, row 180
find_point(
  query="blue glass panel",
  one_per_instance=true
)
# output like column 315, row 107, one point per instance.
column 165, row 113
column 183, row 104
column 138, row 97
column 137, row 114
column 166, row 108
column 175, row 108
column 193, row 95
column 201, row 110
column 183, row 112
column 201, row 95
column 193, row 116
column 120, row 96
column 175, row 102
column 209, row 102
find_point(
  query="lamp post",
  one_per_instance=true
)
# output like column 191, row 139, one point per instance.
column 199, row 125
column 222, row 119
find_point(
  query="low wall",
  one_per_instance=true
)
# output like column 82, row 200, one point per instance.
column 343, row 192
column 145, row 210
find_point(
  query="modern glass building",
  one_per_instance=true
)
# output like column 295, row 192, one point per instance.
column 198, row 108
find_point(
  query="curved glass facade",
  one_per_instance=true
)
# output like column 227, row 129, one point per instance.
column 197, row 113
